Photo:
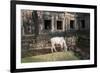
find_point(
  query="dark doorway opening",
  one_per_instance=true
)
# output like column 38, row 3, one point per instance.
column 47, row 24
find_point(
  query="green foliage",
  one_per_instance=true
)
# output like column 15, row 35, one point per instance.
column 83, row 39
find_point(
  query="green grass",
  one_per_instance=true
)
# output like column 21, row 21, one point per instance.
column 57, row 56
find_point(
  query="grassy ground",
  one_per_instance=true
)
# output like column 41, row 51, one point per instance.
column 57, row 56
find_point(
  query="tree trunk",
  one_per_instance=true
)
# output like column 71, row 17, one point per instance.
column 35, row 20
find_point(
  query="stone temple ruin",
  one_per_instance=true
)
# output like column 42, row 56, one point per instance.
column 37, row 27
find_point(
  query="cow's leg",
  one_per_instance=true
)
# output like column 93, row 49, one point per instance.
column 53, row 58
column 55, row 48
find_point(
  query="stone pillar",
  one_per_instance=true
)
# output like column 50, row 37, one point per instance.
column 52, row 24
column 76, row 22
column 64, row 23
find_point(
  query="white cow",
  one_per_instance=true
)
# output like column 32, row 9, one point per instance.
column 60, row 41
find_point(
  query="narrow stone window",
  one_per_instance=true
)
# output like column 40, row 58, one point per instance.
column 59, row 25
column 72, row 24
column 83, row 23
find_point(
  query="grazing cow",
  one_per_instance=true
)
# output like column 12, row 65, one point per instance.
column 60, row 41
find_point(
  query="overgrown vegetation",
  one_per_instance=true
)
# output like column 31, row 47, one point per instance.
column 83, row 39
column 83, row 43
